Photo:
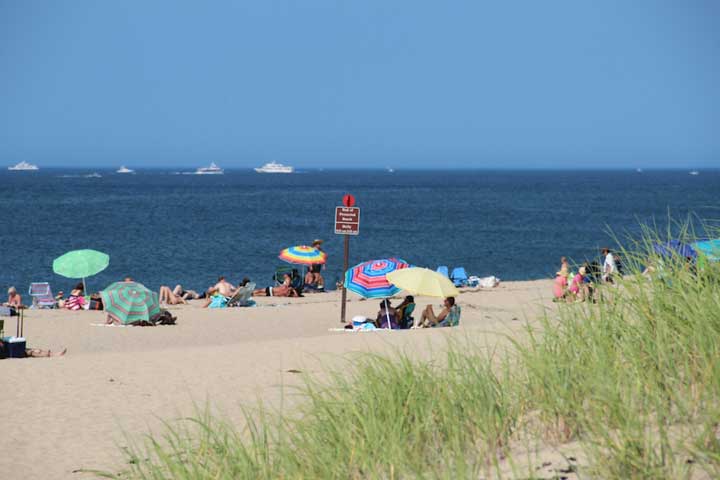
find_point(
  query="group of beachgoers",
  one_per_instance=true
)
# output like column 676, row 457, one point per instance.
column 580, row 286
column 75, row 301
column 400, row 316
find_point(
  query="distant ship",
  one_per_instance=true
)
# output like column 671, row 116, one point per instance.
column 93, row 175
column 694, row 172
column 124, row 169
column 24, row 166
column 390, row 170
column 274, row 167
column 211, row 170
column 639, row 170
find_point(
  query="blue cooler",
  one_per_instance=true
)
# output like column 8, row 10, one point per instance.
column 13, row 347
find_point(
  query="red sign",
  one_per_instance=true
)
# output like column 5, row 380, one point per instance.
column 349, row 200
column 347, row 220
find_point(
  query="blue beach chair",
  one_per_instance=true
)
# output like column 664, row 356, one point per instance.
column 459, row 277
column 443, row 270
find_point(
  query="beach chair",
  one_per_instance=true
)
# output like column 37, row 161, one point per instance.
column 242, row 297
column 42, row 296
column 443, row 270
column 297, row 280
column 407, row 320
column 459, row 277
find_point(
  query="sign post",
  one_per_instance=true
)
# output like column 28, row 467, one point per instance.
column 347, row 222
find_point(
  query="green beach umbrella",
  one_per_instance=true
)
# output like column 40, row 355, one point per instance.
column 81, row 264
column 130, row 302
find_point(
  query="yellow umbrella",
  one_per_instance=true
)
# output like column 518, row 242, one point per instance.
column 421, row 281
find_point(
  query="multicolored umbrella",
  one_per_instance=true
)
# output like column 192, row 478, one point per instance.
column 421, row 281
column 130, row 302
column 303, row 255
column 81, row 264
column 368, row 280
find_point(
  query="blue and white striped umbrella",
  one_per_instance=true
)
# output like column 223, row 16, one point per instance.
column 368, row 280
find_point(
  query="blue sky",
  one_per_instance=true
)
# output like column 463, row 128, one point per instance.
column 578, row 84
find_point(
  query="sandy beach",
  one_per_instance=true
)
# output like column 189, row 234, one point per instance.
column 64, row 415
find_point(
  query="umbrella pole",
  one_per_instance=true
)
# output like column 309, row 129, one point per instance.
column 84, row 288
column 387, row 315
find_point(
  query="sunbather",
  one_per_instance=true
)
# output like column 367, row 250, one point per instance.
column 185, row 294
column 386, row 314
column 224, row 287
column 14, row 299
column 169, row 297
column 76, row 300
column 215, row 299
column 449, row 316
column 284, row 290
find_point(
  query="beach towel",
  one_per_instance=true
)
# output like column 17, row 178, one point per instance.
column 75, row 302
column 218, row 301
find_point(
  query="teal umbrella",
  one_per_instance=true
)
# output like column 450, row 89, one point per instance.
column 130, row 302
column 81, row 264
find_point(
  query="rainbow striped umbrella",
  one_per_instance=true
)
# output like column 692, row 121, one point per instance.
column 368, row 280
column 130, row 302
column 303, row 255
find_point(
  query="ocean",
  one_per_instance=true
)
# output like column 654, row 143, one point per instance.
column 162, row 228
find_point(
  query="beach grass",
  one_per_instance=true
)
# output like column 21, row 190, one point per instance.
column 633, row 379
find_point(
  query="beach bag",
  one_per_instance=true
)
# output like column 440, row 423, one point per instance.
column 163, row 318
column 7, row 311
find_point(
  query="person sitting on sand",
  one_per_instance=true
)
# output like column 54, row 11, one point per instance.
column 560, row 286
column 283, row 290
column 386, row 314
column 578, row 287
column 215, row 299
column 449, row 316
column 169, row 297
column 76, row 300
column 14, row 299
column 224, row 287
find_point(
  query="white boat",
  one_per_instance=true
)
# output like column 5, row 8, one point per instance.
column 93, row 175
column 694, row 172
column 211, row 170
column 639, row 170
column 24, row 166
column 274, row 167
column 390, row 170
column 124, row 169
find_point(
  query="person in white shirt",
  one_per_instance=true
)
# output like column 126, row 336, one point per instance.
column 609, row 267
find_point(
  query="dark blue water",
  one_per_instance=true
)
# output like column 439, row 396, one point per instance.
column 165, row 229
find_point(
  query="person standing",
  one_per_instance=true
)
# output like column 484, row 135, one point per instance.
column 316, row 268
column 609, row 265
